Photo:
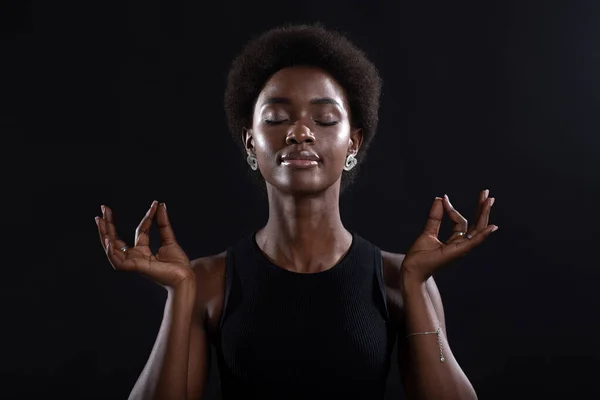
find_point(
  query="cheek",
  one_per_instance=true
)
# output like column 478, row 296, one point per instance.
column 341, row 142
column 264, row 145
column 259, row 141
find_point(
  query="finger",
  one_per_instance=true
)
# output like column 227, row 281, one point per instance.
column 108, row 218
column 432, row 226
column 128, row 260
column 462, row 247
column 460, row 223
column 101, row 231
column 167, row 236
column 115, row 255
column 142, row 237
column 109, row 227
column 483, row 195
column 456, row 236
column 484, row 218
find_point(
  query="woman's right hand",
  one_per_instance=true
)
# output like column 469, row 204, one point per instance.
column 170, row 267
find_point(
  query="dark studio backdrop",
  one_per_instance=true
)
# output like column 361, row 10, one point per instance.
column 121, row 104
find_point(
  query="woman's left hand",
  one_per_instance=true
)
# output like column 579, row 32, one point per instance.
column 428, row 254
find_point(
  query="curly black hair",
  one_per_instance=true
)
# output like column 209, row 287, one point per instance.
column 311, row 45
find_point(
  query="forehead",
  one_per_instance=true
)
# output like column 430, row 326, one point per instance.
column 302, row 84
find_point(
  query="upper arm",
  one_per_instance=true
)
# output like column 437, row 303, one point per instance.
column 209, row 288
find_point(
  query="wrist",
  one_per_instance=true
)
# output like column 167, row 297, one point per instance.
column 184, row 291
column 412, row 284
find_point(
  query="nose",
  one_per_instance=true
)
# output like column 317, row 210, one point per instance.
column 298, row 134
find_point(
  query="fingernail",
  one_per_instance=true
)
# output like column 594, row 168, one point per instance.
column 495, row 228
column 492, row 201
column 487, row 192
column 96, row 219
column 165, row 206
column 106, row 242
column 448, row 199
column 103, row 208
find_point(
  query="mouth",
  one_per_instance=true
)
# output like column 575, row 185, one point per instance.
column 299, row 163
column 300, row 159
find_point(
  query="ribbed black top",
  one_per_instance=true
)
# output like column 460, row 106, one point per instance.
column 286, row 335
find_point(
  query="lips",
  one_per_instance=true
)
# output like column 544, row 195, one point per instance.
column 300, row 155
column 300, row 159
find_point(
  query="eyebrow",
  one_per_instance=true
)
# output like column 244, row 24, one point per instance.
column 284, row 100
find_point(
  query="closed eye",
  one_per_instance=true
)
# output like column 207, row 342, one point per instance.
column 274, row 122
column 279, row 122
column 327, row 123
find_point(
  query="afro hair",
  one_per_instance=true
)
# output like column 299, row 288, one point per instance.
column 307, row 45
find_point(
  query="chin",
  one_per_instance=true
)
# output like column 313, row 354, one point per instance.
column 300, row 184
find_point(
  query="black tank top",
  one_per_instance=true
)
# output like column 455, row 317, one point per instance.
column 285, row 335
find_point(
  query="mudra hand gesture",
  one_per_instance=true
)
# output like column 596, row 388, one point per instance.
column 169, row 267
column 428, row 253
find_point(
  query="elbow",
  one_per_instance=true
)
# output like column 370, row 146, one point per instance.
column 462, row 392
column 472, row 395
column 466, row 392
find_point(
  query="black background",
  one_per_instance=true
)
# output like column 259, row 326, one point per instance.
column 121, row 104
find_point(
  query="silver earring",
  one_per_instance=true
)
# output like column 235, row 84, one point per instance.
column 252, row 161
column 350, row 162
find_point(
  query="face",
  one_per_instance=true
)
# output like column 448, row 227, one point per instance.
column 301, row 132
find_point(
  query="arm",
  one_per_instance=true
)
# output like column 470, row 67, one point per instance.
column 169, row 368
column 170, row 372
column 178, row 365
column 420, row 308
column 425, row 376
column 415, row 308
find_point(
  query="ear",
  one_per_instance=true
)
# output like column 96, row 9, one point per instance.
column 356, row 139
column 248, row 140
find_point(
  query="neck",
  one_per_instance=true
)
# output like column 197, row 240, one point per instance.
column 304, row 233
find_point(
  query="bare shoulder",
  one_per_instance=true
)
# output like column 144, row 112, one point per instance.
column 391, row 268
column 210, row 266
column 210, row 286
column 391, row 278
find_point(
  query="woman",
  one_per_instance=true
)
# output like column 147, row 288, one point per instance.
column 303, row 308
